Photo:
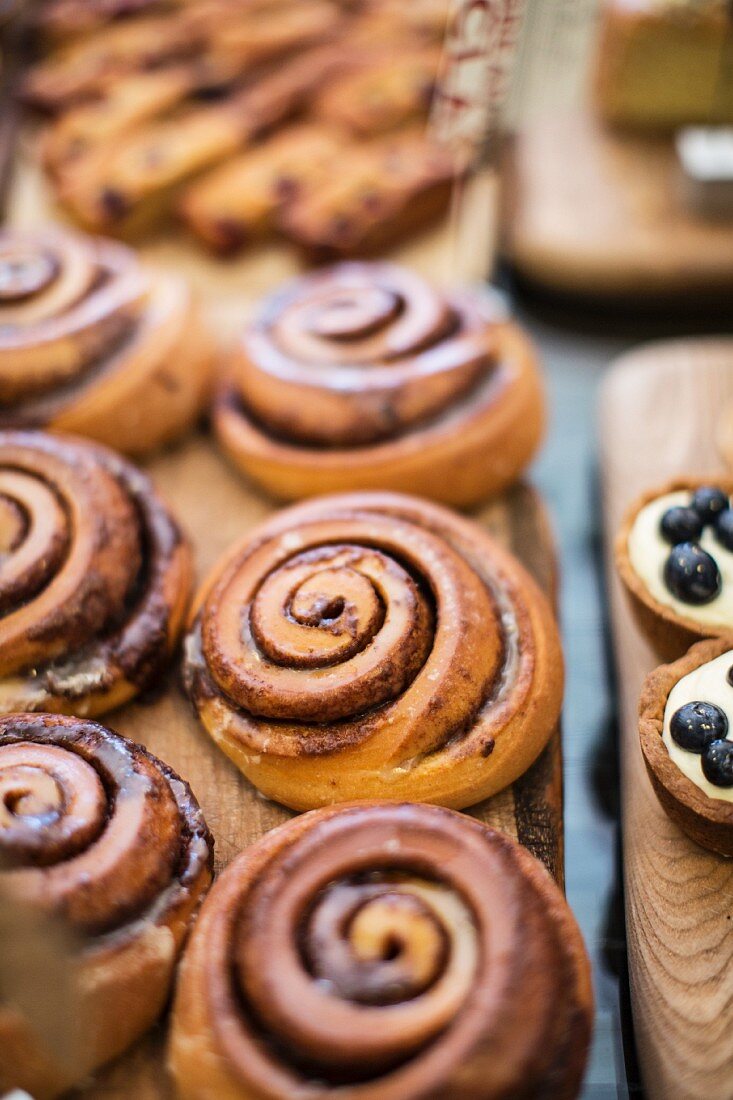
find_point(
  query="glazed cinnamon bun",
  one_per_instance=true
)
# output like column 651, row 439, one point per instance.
column 95, row 577
column 389, row 951
column 364, row 376
column 374, row 646
column 98, row 832
column 92, row 343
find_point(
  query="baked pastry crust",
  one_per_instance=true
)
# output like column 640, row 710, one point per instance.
column 515, row 1022
column 130, row 190
column 82, row 67
column 661, row 64
column 708, row 821
column 384, row 95
column 669, row 633
column 240, row 201
column 99, row 833
column 93, row 343
column 374, row 645
column 95, row 577
column 392, row 188
column 414, row 390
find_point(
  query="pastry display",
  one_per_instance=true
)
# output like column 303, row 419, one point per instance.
column 374, row 645
column 674, row 555
column 686, row 728
column 365, row 376
column 91, row 342
column 164, row 108
column 95, row 577
column 98, row 832
column 411, row 952
column 662, row 63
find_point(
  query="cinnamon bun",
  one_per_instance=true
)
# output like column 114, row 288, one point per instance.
column 95, row 577
column 374, row 646
column 99, row 833
column 92, row 343
column 389, row 951
column 363, row 376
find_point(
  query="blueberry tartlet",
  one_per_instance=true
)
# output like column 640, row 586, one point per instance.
column 674, row 554
column 686, row 730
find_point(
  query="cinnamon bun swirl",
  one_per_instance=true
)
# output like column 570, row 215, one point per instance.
column 98, row 832
column 363, row 376
column 384, row 951
column 95, row 577
column 92, row 343
column 374, row 646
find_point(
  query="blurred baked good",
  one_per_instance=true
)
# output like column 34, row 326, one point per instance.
column 381, row 96
column 364, row 376
column 94, row 343
column 387, row 191
column 83, row 67
column 665, row 63
column 373, row 645
column 99, row 833
column 410, row 952
column 128, row 187
column 95, row 577
column 160, row 106
column 241, row 201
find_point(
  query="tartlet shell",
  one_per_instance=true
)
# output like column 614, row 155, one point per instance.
column 669, row 633
column 707, row 821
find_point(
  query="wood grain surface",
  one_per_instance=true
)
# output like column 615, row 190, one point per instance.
column 595, row 213
column 659, row 410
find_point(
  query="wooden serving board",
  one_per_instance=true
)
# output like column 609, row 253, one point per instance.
column 594, row 213
column 216, row 507
column 658, row 415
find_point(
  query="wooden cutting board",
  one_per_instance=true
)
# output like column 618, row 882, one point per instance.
column 593, row 213
column 216, row 507
column 659, row 411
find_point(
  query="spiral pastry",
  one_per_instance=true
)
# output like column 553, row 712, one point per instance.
column 410, row 952
column 374, row 646
column 92, row 343
column 98, row 832
column 363, row 376
column 95, row 577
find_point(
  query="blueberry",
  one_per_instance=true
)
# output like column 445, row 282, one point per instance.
column 691, row 574
column 717, row 763
column 695, row 725
column 724, row 528
column 681, row 524
column 709, row 502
